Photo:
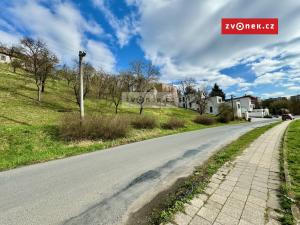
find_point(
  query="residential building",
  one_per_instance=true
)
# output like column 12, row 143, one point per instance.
column 4, row 58
column 295, row 98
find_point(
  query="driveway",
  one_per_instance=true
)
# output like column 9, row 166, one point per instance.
column 103, row 187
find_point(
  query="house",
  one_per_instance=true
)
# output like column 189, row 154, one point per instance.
column 259, row 113
column 247, row 102
column 4, row 58
column 213, row 104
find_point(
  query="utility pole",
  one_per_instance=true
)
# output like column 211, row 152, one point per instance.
column 232, row 106
column 81, row 55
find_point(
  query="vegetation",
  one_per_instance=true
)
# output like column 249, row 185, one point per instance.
column 279, row 106
column 205, row 120
column 225, row 113
column 292, row 146
column 94, row 127
column 196, row 183
column 173, row 123
column 144, row 122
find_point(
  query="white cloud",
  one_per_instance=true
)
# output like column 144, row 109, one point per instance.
column 273, row 94
column 100, row 56
column 294, row 88
column 62, row 27
column 183, row 38
column 124, row 28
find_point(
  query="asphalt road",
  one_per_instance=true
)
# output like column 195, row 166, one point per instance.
column 103, row 187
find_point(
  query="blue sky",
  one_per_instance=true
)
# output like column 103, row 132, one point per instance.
column 181, row 37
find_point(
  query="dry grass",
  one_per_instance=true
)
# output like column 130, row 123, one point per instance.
column 144, row 122
column 205, row 120
column 173, row 123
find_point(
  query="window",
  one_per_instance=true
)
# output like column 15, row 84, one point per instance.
column 211, row 109
column 3, row 58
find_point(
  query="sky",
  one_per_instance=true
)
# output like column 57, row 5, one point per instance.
column 182, row 38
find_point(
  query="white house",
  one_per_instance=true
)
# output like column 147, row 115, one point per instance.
column 260, row 113
column 212, row 106
column 4, row 58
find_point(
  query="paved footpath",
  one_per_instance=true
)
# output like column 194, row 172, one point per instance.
column 242, row 192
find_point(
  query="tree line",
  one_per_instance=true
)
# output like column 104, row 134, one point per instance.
column 35, row 57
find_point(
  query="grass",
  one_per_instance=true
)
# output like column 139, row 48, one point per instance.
column 189, row 187
column 29, row 130
column 291, row 191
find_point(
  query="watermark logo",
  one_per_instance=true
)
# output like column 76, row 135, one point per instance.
column 249, row 26
column 149, row 99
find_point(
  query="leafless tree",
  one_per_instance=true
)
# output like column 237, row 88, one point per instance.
column 99, row 83
column 186, row 87
column 67, row 74
column 116, row 86
column 146, row 75
column 202, row 95
column 38, row 60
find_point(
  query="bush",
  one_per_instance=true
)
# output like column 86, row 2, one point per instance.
column 173, row 123
column 93, row 127
column 205, row 120
column 144, row 122
column 225, row 114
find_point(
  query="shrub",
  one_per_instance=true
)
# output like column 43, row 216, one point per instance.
column 173, row 123
column 225, row 113
column 144, row 122
column 93, row 127
column 205, row 120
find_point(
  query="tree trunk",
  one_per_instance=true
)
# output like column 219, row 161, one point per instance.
column 39, row 92
column 43, row 86
column 116, row 109
column 141, row 109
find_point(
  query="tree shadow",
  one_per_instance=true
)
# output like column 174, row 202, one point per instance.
column 15, row 121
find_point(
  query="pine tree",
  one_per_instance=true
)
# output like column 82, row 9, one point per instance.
column 217, row 91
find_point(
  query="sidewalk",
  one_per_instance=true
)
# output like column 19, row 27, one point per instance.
column 243, row 192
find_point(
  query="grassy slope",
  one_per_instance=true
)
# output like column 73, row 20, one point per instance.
column 28, row 129
column 293, row 157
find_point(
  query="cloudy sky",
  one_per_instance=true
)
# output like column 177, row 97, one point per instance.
column 181, row 37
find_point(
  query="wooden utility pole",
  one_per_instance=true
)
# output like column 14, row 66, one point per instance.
column 81, row 55
column 232, row 107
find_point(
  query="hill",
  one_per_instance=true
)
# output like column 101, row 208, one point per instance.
column 29, row 129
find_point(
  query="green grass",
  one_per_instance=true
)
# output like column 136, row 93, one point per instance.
column 196, row 183
column 293, row 157
column 29, row 129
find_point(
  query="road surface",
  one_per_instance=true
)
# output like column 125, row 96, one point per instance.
column 103, row 187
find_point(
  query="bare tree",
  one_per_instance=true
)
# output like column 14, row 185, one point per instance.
column 116, row 86
column 129, row 80
column 38, row 60
column 146, row 76
column 66, row 73
column 99, row 82
column 186, row 87
column 202, row 96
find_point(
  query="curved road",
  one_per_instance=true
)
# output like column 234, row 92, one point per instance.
column 103, row 187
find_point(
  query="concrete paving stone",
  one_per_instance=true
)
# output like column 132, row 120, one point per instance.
column 197, row 202
column 190, row 210
column 213, row 185
column 274, row 186
column 226, row 187
column 273, row 202
column 203, row 197
column 225, row 219
column 197, row 220
column 273, row 222
column 259, row 179
column 261, row 189
column 229, row 182
column 258, row 194
column 241, row 191
column 274, row 173
column 244, row 222
column 218, row 198
column 249, row 216
column 259, row 184
column 234, row 202
column 182, row 219
column 232, row 211
column 216, row 223
column 257, row 201
column 213, row 205
column 272, row 177
column 209, row 191
column 208, row 213
column 274, row 181
column 231, row 178
column 223, row 192
column 239, row 196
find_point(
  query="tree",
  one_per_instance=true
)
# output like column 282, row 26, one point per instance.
column 146, row 75
column 279, row 107
column 116, row 86
column 186, row 87
column 217, row 91
column 66, row 73
column 16, row 63
column 38, row 60
column 201, row 99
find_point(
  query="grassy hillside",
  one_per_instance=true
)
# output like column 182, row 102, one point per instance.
column 29, row 129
